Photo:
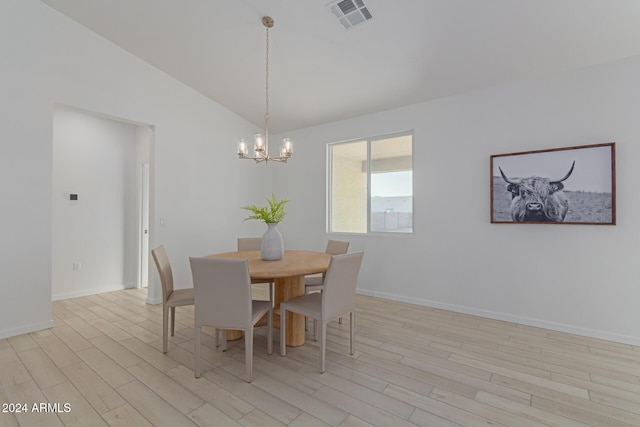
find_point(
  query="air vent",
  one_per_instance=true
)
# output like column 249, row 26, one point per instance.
column 350, row 12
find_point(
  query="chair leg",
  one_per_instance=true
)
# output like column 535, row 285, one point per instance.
column 224, row 340
column 283, row 335
column 165, row 328
column 271, row 292
column 306, row 292
column 248, row 353
column 315, row 330
column 196, row 353
column 270, row 331
column 352, row 329
column 323, row 342
column 173, row 320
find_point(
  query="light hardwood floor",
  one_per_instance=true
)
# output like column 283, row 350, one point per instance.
column 413, row 366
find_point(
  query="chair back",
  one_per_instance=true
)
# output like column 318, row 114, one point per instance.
column 163, row 265
column 249, row 243
column 337, row 247
column 339, row 294
column 222, row 289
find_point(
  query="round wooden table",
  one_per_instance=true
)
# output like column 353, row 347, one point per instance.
column 288, row 274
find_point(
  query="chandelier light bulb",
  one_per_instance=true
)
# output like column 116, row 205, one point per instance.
column 259, row 143
column 287, row 147
column 243, row 150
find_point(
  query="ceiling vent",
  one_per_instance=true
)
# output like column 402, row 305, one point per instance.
column 350, row 13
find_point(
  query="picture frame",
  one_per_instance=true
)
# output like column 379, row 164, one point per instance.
column 570, row 185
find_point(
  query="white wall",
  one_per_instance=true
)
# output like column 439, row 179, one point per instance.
column 47, row 60
column 95, row 238
column 575, row 278
column 567, row 277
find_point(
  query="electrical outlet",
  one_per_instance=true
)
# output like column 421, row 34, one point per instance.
column 77, row 266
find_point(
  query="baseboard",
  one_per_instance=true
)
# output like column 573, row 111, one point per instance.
column 91, row 291
column 7, row 333
column 558, row 327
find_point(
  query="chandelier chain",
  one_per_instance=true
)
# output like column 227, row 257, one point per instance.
column 267, row 77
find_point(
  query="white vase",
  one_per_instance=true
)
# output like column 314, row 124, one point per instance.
column 272, row 248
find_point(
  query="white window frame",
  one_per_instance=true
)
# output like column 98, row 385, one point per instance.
column 329, row 174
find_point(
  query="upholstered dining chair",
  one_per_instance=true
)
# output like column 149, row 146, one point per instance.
column 338, row 298
column 249, row 243
column 334, row 247
column 223, row 301
column 314, row 283
column 170, row 298
column 254, row 244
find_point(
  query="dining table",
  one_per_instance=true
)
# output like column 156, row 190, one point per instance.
column 288, row 274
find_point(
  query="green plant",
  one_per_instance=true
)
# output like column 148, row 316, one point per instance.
column 273, row 212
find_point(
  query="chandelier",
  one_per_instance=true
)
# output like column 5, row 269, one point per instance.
column 261, row 143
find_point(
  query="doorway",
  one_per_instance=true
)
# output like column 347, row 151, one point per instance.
column 98, row 202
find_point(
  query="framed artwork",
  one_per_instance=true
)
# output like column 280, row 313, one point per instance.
column 571, row 185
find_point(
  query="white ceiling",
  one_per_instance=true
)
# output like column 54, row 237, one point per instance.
column 412, row 51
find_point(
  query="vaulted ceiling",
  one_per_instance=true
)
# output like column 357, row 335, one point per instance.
column 409, row 52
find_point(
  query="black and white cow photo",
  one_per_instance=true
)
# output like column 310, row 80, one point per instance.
column 574, row 185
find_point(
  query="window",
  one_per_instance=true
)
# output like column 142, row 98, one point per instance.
column 371, row 185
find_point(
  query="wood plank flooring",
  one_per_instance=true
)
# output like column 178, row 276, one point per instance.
column 102, row 365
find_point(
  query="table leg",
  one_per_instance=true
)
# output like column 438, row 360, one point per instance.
column 288, row 288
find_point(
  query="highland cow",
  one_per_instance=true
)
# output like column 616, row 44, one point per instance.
column 537, row 199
